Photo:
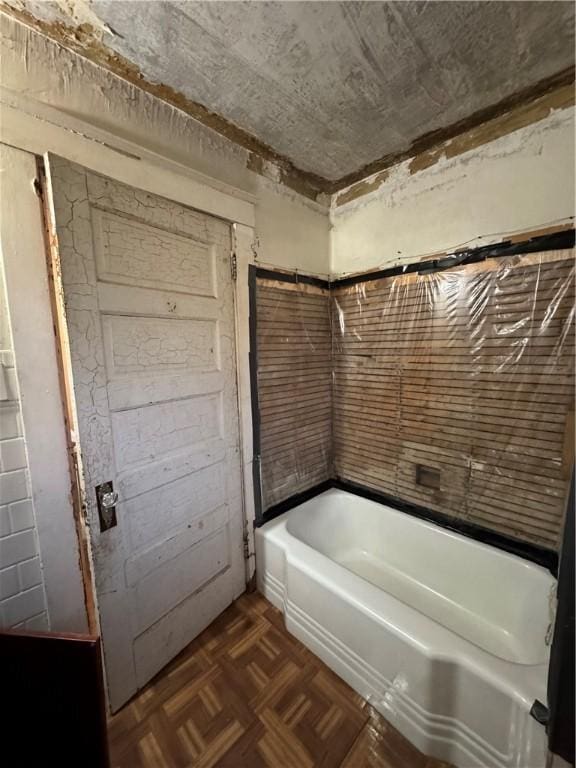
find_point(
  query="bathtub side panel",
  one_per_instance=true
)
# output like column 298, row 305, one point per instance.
column 270, row 566
column 448, row 707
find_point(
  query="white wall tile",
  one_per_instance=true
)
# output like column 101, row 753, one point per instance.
column 21, row 515
column 18, row 547
column 23, row 605
column 12, row 454
column 11, row 383
column 22, row 594
column 30, row 573
column 13, row 486
column 9, row 582
column 5, row 528
column 6, row 357
column 38, row 623
column 10, row 425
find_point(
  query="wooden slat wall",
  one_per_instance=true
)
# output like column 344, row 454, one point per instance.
column 294, row 387
column 468, row 372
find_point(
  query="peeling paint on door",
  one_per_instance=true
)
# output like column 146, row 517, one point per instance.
column 153, row 364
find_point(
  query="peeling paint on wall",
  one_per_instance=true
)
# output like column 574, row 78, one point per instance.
column 293, row 230
column 362, row 188
column 333, row 87
column 519, row 182
column 76, row 25
column 494, row 129
column 520, row 117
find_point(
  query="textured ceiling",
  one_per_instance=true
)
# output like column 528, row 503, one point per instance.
column 333, row 86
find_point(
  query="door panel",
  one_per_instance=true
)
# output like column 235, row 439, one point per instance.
column 150, row 345
column 126, row 252
column 150, row 314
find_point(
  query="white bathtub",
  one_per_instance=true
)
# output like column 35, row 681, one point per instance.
column 443, row 635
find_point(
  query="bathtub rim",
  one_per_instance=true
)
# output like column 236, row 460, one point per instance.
column 524, row 682
column 527, row 551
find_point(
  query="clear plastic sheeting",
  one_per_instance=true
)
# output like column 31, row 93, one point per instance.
column 294, row 374
column 453, row 390
column 450, row 390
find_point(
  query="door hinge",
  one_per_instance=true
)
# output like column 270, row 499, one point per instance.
column 233, row 266
column 246, row 540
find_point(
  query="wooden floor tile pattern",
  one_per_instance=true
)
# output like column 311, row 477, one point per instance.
column 246, row 694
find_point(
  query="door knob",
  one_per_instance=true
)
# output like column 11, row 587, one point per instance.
column 107, row 499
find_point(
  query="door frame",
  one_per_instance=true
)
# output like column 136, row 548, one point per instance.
column 45, row 130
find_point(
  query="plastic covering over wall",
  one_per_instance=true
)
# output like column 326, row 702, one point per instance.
column 454, row 390
column 451, row 390
column 294, row 372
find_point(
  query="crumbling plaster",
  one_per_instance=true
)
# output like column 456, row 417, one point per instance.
column 329, row 88
column 517, row 183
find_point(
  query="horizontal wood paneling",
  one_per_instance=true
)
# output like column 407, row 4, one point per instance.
column 469, row 372
column 294, row 387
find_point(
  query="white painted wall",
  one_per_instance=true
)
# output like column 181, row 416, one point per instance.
column 40, row 541
column 22, row 595
column 516, row 183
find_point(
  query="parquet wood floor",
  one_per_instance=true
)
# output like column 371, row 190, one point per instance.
column 246, row 694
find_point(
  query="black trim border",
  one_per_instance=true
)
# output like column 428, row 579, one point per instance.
column 255, row 272
column 556, row 241
column 561, row 669
column 254, row 401
column 294, row 501
column 291, row 277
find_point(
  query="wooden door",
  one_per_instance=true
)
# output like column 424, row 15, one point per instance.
column 149, row 305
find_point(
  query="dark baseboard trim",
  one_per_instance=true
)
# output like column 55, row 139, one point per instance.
column 294, row 501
